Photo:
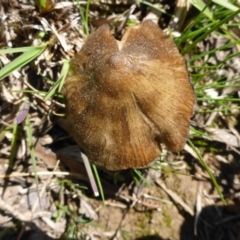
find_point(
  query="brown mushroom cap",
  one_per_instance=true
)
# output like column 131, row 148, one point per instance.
column 125, row 98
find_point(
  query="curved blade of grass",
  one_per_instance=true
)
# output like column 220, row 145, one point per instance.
column 206, row 33
column 139, row 174
column 21, row 61
column 17, row 50
column 40, row 93
column 60, row 81
column 64, row 72
column 208, row 171
column 197, row 133
column 219, row 100
column 84, row 17
column 188, row 31
column 213, row 51
column 148, row 3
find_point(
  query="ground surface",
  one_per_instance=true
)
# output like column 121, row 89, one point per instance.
column 179, row 201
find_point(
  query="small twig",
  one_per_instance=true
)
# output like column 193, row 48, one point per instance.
column 4, row 206
column 190, row 150
column 198, row 206
column 130, row 11
column 135, row 200
column 227, row 219
column 44, row 187
column 90, row 176
column 175, row 197
column 41, row 97
column 17, row 174
column 23, row 228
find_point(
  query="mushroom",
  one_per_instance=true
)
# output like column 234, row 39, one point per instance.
column 125, row 98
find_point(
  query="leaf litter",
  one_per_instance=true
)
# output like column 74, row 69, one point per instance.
column 186, row 205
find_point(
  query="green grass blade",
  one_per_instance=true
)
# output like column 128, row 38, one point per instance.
column 139, row 174
column 149, row 4
column 99, row 183
column 213, row 51
column 60, row 81
column 206, row 33
column 63, row 75
column 17, row 50
column 208, row 171
column 84, row 16
column 21, row 61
